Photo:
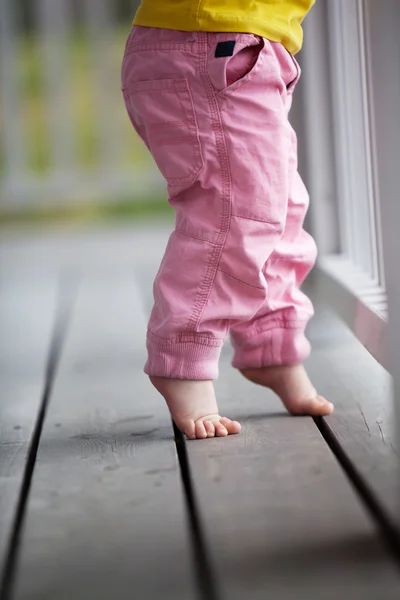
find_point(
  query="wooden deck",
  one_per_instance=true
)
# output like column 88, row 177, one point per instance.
column 98, row 500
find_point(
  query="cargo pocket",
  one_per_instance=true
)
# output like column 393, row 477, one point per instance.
column 162, row 112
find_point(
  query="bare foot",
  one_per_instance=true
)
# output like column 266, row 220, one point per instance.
column 193, row 408
column 293, row 386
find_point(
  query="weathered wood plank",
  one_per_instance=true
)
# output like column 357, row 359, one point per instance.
column 363, row 421
column 27, row 312
column 106, row 516
column 281, row 519
column 278, row 512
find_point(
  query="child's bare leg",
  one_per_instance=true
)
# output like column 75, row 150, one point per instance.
column 293, row 386
column 193, row 407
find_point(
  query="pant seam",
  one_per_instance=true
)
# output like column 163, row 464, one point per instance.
column 226, row 192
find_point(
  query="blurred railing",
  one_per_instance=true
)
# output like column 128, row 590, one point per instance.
column 344, row 105
column 350, row 97
column 64, row 132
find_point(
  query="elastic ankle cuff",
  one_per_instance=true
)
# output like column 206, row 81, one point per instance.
column 187, row 357
column 275, row 347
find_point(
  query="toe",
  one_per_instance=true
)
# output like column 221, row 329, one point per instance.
column 232, row 427
column 318, row 407
column 323, row 406
column 189, row 430
column 210, row 429
column 211, row 426
column 220, row 429
column 201, row 432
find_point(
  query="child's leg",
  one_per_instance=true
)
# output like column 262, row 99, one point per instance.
column 270, row 348
column 223, row 142
column 173, row 107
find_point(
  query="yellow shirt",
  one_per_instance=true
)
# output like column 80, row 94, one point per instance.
column 276, row 20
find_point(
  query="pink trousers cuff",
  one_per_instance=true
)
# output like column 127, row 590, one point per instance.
column 274, row 347
column 189, row 357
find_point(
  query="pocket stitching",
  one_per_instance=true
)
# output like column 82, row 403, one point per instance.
column 178, row 87
column 158, row 85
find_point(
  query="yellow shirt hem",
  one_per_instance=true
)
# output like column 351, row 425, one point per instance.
column 274, row 30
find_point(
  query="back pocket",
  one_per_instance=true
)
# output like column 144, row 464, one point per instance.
column 162, row 112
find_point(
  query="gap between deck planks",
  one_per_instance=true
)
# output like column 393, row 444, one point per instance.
column 275, row 494
column 27, row 313
column 344, row 371
column 281, row 519
column 363, row 422
column 106, row 515
column 280, row 516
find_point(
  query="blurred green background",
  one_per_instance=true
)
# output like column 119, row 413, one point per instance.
column 50, row 45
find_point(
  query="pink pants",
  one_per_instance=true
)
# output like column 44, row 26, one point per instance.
column 215, row 118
